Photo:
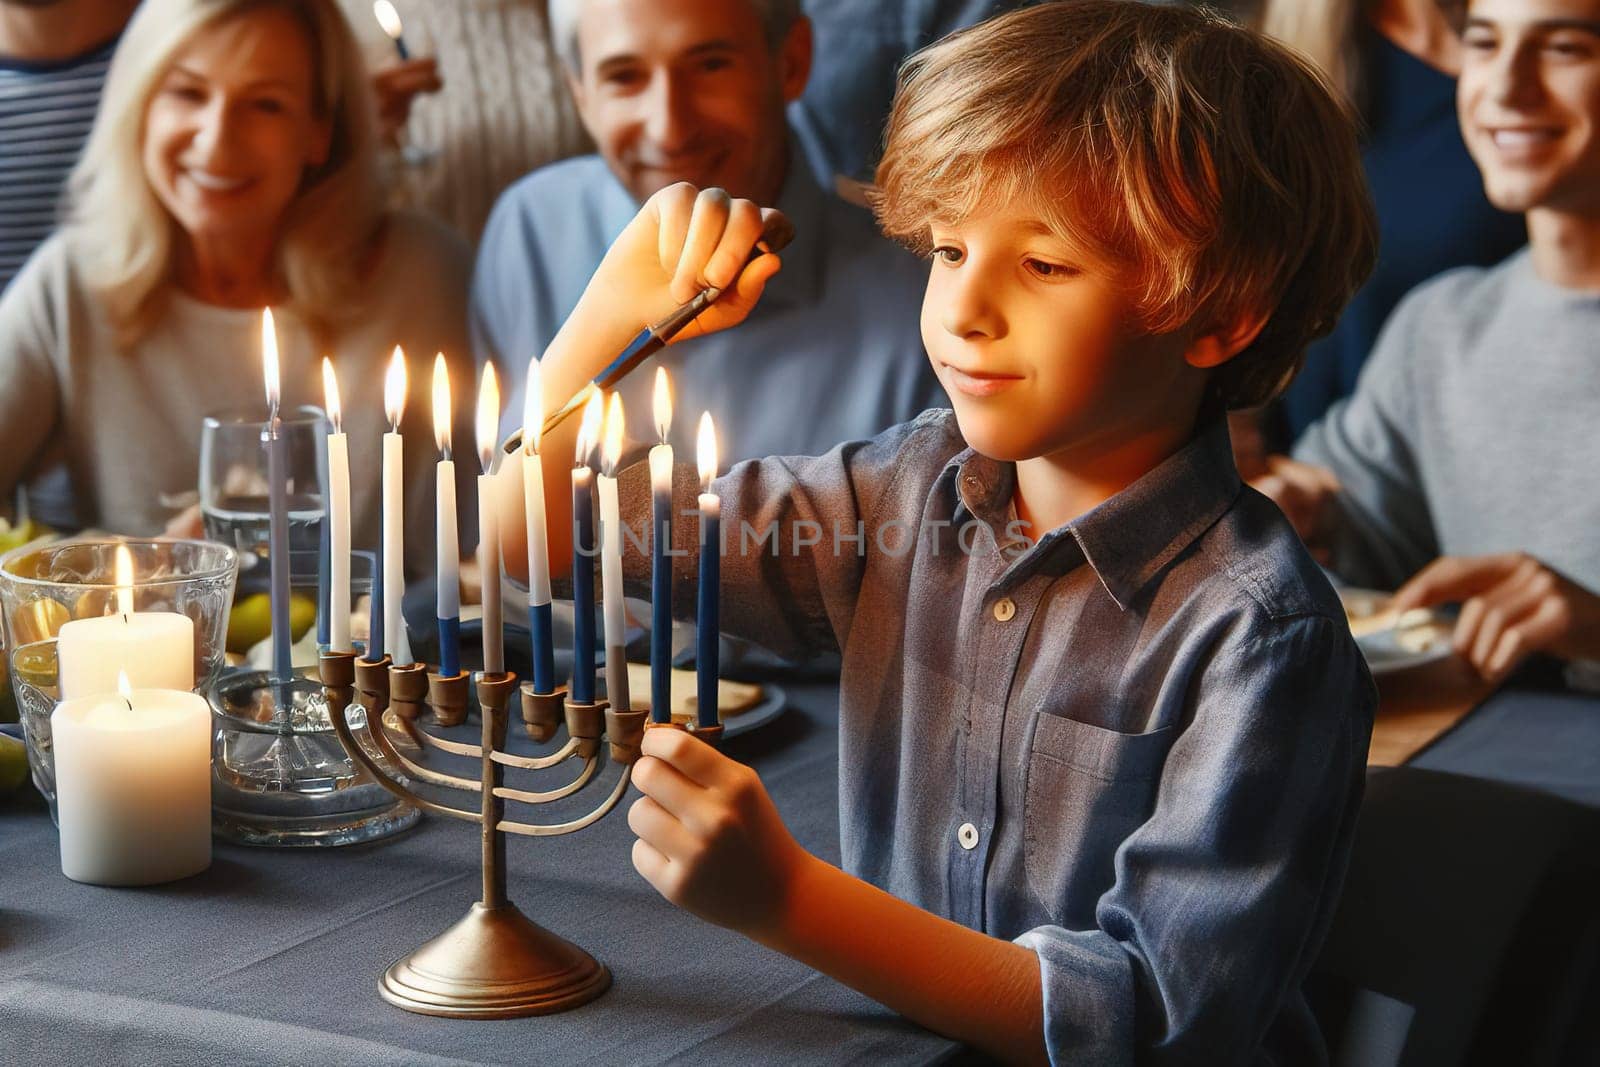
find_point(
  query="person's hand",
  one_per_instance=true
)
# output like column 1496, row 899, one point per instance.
column 187, row 524
column 682, row 241
column 396, row 86
column 1512, row 606
column 1305, row 495
column 710, row 839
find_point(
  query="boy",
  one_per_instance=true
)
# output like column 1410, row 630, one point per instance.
column 1096, row 789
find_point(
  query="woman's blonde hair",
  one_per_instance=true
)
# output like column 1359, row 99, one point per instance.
column 1215, row 169
column 328, row 230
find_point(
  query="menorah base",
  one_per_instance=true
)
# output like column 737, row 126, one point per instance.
column 495, row 963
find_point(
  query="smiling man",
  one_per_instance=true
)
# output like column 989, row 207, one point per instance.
column 1464, row 460
column 695, row 90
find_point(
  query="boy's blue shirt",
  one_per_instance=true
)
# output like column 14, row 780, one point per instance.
column 1136, row 746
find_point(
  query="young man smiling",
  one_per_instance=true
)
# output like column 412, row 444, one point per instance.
column 1460, row 466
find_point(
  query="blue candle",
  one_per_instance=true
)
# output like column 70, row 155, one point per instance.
column 277, row 507
column 584, row 551
column 447, row 598
column 660, row 560
column 707, row 625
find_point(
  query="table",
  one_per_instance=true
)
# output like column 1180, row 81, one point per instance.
column 273, row 957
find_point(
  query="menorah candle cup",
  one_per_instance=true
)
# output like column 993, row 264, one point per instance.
column 625, row 732
column 448, row 696
column 542, row 713
column 408, row 691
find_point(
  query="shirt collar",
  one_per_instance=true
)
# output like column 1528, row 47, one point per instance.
column 1128, row 539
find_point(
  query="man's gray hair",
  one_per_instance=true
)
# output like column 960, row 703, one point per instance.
column 776, row 16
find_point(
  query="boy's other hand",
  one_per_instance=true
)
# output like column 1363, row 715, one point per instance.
column 682, row 241
column 1512, row 606
column 710, row 839
column 1304, row 493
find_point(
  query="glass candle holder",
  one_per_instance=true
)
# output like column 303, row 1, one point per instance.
column 42, row 588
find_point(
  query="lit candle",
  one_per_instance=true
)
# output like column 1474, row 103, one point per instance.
column 154, row 649
column 539, row 620
column 389, row 19
column 660, row 561
column 133, row 785
column 611, row 558
column 393, row 577
column 277, row 506
column 449, row 558
column 488, row 525
column 583, row 553
column 338, row 516
column 706, row 650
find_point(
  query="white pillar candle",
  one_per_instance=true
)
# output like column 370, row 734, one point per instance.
column 133, row 786
column 338, row 517
column 394, row 583
column 155, row 649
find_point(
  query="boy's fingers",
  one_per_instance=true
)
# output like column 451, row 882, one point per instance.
column 1539, row 630
column 674, row 206
column 739, row 236
column 1501, row 609
column 650, row 863
column 708, row 222
column 695, row 759
column 670, row 787
column 656, row 826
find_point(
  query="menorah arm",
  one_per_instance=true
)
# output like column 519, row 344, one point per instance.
column 538, row 763
column 556, row 830
column 416, row 770
column 591, row 765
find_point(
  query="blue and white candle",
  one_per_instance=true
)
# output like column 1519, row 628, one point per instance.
column 660, row 560
column 447, row 567
column 707, row 651
column 539, row 615
column 393, row 559
column 488, row 421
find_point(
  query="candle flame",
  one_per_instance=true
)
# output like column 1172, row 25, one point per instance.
column 330, row 395
column 533, row 408
column 123, row 568
column 611, row 452
column 394, row 389
column 124, row 687
column 488, row 416
column 441, row 405
column 269, row 361
column 593, row 412
column 663, row 404
column 706, row 451
column 388, row 18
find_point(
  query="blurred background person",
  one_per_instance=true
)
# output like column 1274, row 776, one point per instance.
column 230, row 168
column 54, row 55
column 696, row 90
column 480, row 103
column 1397, row 61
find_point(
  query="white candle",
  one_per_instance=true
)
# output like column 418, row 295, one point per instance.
column 394, row 583
column 533, row 489
column 338, row 516
column 154, row 648
column 133, row 786
column 611, row 559
column 489, row 534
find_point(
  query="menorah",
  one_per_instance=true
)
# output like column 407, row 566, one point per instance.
column 495, row 963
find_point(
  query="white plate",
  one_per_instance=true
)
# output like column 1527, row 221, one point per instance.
column 1424, row 637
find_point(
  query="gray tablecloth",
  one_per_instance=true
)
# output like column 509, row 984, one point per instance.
column 1547, row 740
column 273, row 957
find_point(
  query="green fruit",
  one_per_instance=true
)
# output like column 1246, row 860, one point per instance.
column 250, row 621
column 13, row 763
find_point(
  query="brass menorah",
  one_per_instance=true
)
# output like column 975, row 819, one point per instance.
column 495, row 963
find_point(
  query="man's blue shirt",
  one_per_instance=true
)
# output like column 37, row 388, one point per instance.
column 832, row 352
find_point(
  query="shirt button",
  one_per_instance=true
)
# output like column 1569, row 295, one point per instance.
column 1004, row 609
column 968, row 836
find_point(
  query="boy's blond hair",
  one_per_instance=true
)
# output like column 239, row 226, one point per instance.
column 1213, row 166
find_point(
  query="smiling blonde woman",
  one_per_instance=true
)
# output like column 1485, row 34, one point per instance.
column 230, row 168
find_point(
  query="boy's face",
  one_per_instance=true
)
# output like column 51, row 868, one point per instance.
column 1529, row 102
column 1041, row 349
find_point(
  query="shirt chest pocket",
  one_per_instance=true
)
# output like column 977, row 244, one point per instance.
column 1087, row 789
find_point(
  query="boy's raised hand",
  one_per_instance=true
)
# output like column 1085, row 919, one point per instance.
column 682, row 241
column 710, row 839
column 1512, row 606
